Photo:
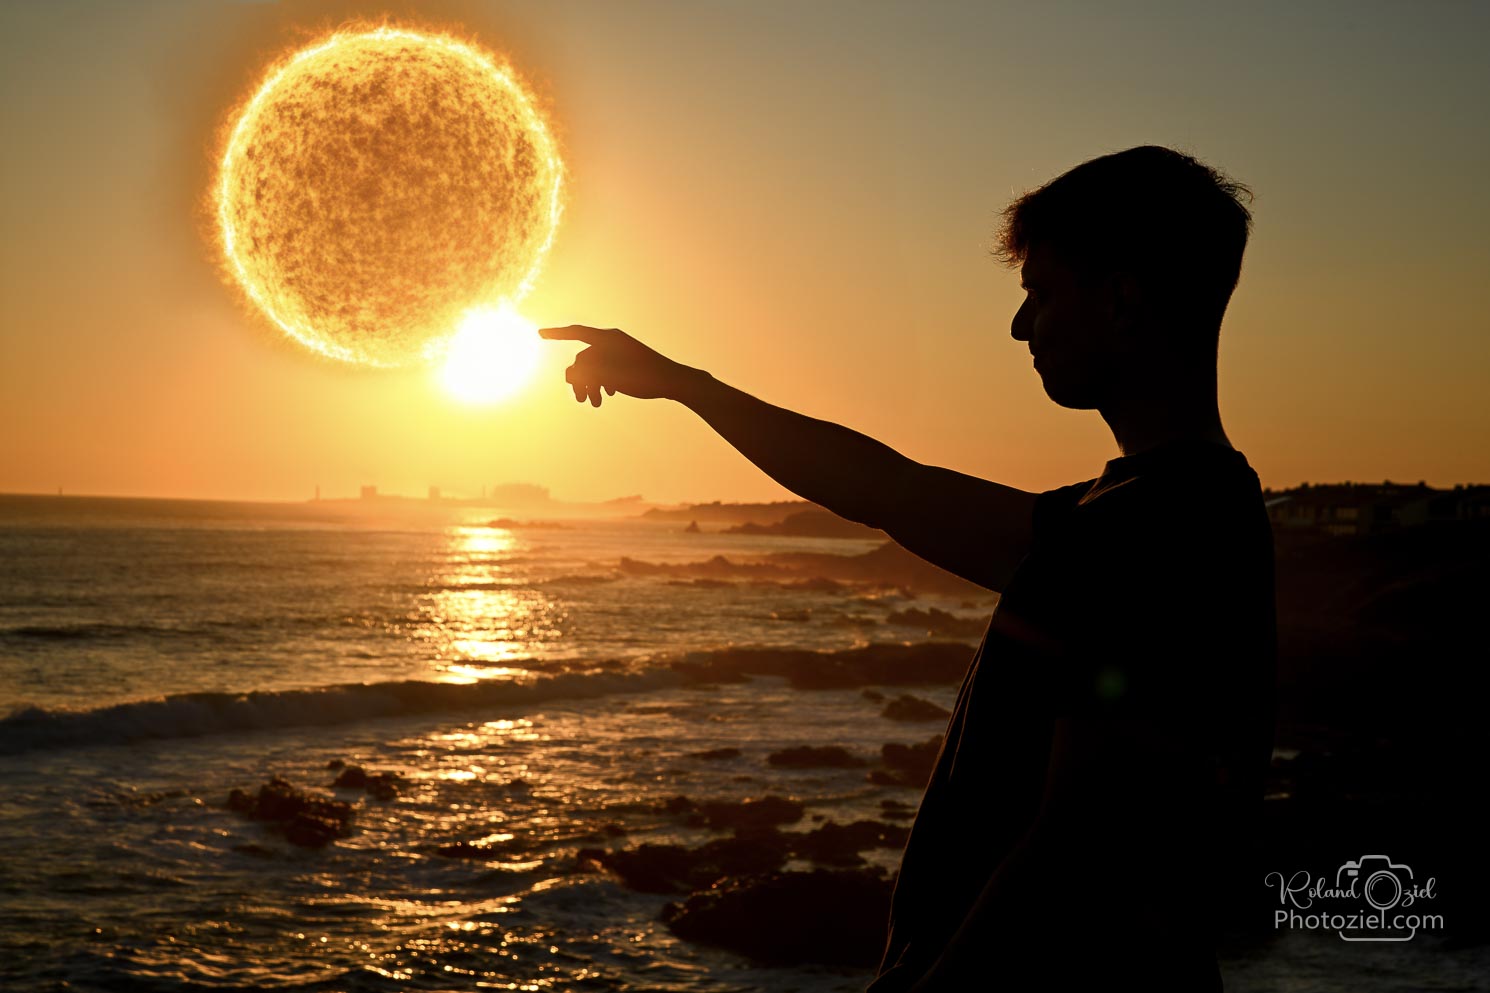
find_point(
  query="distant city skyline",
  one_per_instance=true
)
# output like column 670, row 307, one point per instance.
column 1467, row 500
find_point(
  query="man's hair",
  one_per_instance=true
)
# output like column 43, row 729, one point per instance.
column 1175, row 224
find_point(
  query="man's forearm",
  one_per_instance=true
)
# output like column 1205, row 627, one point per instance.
column 847, row 472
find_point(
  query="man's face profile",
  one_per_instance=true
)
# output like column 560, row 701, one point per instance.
column 1070, row 330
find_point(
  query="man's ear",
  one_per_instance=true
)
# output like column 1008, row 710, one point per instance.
column 1128, row 305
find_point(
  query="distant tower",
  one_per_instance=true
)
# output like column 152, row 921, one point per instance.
column 369, row 492
column 318, row 493
column 434, row 493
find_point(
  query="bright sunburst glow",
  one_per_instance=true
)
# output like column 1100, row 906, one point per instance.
column 491, row 356
column 379, row 184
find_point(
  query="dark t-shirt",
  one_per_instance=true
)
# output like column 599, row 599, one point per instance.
column 1147, row 593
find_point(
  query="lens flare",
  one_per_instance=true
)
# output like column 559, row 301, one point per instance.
column 379, row 185
column 490, row 356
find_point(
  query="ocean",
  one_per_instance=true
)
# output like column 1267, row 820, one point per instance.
column 534, row 692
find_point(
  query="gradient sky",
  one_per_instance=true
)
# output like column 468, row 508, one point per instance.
column 798, row 197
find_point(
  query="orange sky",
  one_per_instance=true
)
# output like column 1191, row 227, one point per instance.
column 796, row 197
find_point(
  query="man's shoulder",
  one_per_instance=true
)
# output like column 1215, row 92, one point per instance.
column 1202, row 482
column 1208, row 497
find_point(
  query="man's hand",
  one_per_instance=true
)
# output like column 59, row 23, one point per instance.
column 615, row 361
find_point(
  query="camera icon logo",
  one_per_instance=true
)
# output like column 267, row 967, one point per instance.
column 1377, row 878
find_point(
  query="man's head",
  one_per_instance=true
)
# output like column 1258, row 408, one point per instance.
column 1129, row 261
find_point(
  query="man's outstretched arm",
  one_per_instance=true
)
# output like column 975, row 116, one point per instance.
column 971, row 527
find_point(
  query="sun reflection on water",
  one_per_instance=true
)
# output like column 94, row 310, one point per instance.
column 457, row 672
column 478, row 616
column 480, row 542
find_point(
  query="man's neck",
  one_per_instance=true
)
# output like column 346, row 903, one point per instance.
column 1156, row 415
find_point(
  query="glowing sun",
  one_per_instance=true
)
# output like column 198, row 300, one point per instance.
column 379, row 188
column 491, row 354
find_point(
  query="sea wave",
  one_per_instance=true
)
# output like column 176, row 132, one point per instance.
column 889, row 564
column 20, row 635
column 87, row 631
column 188, row 715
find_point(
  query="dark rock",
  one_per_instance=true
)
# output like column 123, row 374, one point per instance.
column 815, row 584
column 305, row 819
column 678, row 805
column 676, row 869
column 587, row 860
column 652, row 868
column 729, row 513
column 717, row 567
column 751, row 815
column 907, row 765
column 809, row 524
column 838, row 844
column 508, row 524
column 816, row 757
column 312, row 831
column 823, row 917
column 939, row 622
column 383, row 788
column 872, row 695
column 335, row 764
column 380, row 785
column 912, row 708
column 760, row 851
column 647, row 868
column 353, row 776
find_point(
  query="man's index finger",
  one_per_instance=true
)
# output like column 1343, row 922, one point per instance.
column 573, row 332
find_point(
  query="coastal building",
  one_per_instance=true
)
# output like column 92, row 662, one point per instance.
column 1371, row 508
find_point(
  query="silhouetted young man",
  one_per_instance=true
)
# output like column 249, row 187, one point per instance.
column 1103, row 765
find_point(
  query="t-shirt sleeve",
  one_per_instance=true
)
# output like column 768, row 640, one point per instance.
column 1053, row 509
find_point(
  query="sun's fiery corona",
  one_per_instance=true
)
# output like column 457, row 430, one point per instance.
column 381, row 185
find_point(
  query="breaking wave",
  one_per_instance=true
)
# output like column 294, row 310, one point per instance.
column 189, row 715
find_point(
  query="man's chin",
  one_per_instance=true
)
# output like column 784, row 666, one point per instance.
column 1073, row 396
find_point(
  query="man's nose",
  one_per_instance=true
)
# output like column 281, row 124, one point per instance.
column 1019, row 327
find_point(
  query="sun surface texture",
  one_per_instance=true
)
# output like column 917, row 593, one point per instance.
column 381, row 183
